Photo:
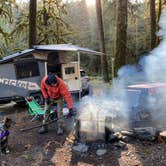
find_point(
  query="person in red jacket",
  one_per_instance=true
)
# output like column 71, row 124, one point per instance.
column 54, row 91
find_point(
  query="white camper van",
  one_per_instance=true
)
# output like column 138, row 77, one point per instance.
column 21, row 73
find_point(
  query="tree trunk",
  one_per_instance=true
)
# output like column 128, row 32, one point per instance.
column 45, row 21
column 121, row 34
column 158, row 18
column 32, row 23
column 159, row 9
column 147, row 27
column 45, row 15
column 136, row 33
column 152, row 23
column 104, row 63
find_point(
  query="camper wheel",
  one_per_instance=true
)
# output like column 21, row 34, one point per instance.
column 38, row 97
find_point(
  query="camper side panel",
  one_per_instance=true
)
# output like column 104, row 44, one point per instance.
column 15, row 81
column 7, row 80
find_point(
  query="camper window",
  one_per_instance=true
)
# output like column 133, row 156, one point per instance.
column 69, row 70
column 26, row 69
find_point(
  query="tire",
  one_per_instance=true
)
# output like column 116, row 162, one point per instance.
column 21, row 103
column 38, row 97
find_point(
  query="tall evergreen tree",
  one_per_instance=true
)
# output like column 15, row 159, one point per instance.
column 32, row 22
column 153, row 23
column 104, row 63
column 158, row 17
column 121, row 34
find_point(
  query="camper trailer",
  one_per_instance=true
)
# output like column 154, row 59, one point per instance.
column 21, row 73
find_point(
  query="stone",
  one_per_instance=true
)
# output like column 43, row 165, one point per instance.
column 82, row 148
column 120, row 144
column 101, row 152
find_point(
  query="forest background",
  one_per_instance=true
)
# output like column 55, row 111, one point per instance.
column 124, row 29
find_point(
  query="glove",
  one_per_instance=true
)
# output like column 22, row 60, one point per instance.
column 47, row 101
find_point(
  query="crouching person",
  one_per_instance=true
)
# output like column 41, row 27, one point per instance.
column 54, row 91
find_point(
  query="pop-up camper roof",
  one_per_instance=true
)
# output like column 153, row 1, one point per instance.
column 15, row 55
column 66, row 47
column 52, row 47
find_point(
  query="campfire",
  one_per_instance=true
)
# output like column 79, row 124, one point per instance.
column 134, row 106
column 103, row 118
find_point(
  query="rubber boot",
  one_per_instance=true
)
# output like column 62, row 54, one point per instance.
column 43, row 129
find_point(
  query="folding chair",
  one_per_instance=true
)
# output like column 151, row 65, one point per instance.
column 36, row 110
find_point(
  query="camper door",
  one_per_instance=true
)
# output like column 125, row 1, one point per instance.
column 71, row 76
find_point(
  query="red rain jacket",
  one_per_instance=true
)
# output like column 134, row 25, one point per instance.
column 56, row 92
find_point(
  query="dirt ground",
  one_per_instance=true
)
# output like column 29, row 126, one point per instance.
column 32, row 149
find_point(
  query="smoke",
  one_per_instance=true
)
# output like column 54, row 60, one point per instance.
column 95, row 109
column 123, row 105
column 156, row 62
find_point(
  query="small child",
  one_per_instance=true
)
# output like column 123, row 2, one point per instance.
column 4, row 134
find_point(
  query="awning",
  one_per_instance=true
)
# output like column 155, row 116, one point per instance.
column 66, row 47
column 51, row 47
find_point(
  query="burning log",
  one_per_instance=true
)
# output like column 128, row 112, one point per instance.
column 96, row 129
column 146, row 133
column 89, row 130
column 120, row 144
column 109, row 129
column 129, row 133
column 162, row 137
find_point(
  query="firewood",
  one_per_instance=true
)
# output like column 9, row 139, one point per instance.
column 162, row 137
